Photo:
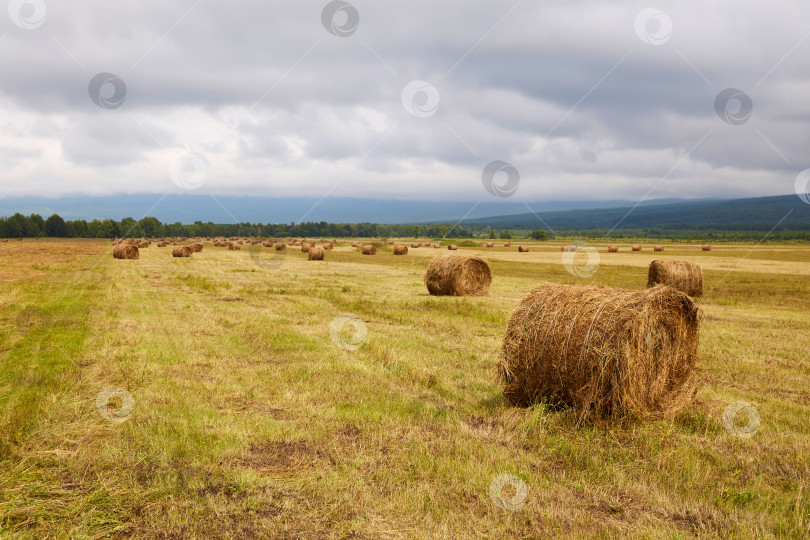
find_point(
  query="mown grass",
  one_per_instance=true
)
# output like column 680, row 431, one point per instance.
column 250, row 421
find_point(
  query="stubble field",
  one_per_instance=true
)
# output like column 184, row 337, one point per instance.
column 253, row 414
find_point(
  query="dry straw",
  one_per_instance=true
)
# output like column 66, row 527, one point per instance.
column 685, row 276
column 607, row 352
column 125, row 251
column 400, row 250
column 368, row 249
column 182, row 251
column 315, row 253
column 523, row 249
column 456, row 275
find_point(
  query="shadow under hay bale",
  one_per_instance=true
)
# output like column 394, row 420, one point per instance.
column 315, row 253
column 456, row 275
column 607, row 352
column 125, row 251
column 182, row 251
column 368, row 250
column 684, row 276
column 400, row 250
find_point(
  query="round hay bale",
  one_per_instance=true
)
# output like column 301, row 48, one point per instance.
column 637, row 247
column 658, row 248
column 569, row 248
column 456, row 275
column 368, row 249
column 416, row 245
column 490, row 244
column 523, row 249
column 305, row 248
column 162, row 244
column 280, row 246
column 315, row 253
column 452, row 247
column 684, row 276
column 234, row 246
column 328, row 247
column 390, row 242
column 182, row 251
column 143, row 245
column 400, row 250
column 196, row 247
column 267, row 244
column 436, row 246
column 706, row 247
column 507, row 244
column 125, row 251
column 607, row 352
column 613, row 248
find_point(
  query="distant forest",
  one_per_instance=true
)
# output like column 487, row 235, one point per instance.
column 33, row 226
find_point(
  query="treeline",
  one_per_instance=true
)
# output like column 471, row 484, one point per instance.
column 20, row 226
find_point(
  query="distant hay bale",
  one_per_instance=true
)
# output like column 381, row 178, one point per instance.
column 390, row 242
column 400, row 250
column 267, row 244
column 456, row 275
column 613, row 248
column 125, row 251
column 280, row 246
column 607, row 352
column 452, row 247
column 684, row 276
column 637, row 247
column 437, row 246
column 328, row 247
column 232, row 246
column 523, row 249
column 182, row 251
column 416, row 245
column 162, row 244
column 569, row 248
column 490, row 244
column 143, row 244
column 196, row 247
column 368, row 249
column 507, row 244
column 305, row 248
column 658, row 248
column 315, row 253
column 706, row 247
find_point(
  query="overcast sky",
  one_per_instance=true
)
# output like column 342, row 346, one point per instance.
column 584, row 99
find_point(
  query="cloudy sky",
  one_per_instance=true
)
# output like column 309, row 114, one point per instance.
column 581, row 99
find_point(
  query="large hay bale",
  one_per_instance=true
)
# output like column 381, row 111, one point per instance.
column 456, row 275
column 684, row 276
column 613, row 248
column 125, row 251
column 706, row 247
column 315, row 253
column 637, row 247
column 608, row 352
column 400, row 250
column 658, row 248
column 280, row 246
column 182, row 251
column 368, row 249
column 452, row 247
column 523, row 249
column 196, row 247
